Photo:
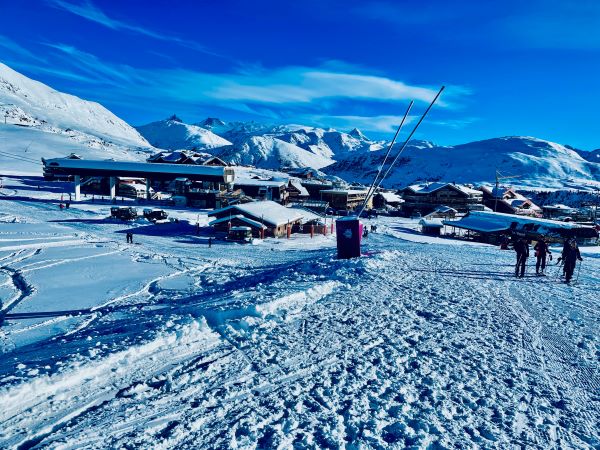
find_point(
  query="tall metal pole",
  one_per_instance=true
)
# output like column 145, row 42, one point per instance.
column 388, row 151
column 404, row 146
column 496, row 194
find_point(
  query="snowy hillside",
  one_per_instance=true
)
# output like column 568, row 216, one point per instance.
column 21, row 149
column 263, row 145
column 173, row 134
column 538, row 163
column 27, row 102
column 268, row 152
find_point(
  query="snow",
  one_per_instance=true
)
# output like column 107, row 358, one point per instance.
column 138, row 168
column 30, row 103
column 174, row 135
column 390, row 197
column 21, row 149
column 534, row 163
column 424, row 342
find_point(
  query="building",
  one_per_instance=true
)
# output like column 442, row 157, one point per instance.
column 187, row 157
column 491, row 226
column 314, row 187
column 426, row 197
column 216, row 177
column 346, row 199
column 509, row 201
column 557, row 212
column 305, row 173
column 431, row 227
column 387, row 199
column 275, row 217
column 263, row 189
column 297, row 192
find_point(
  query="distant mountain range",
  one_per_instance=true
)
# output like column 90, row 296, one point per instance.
column 51, row 122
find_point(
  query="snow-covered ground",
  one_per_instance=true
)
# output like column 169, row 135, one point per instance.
column 169, row 343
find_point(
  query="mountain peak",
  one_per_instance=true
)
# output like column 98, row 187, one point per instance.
column 174, row 118
column 355, row 132
column 211, row 122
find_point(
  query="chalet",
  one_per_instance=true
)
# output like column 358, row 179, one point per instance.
column 345, row 199
column 442, row 212
column 187, row 157
column 263, row 189
column 275, row 217
column 305, row 173
column 509, row 201
column 296, row 192
column 426, row 197
column 557, row 212
column 314, row 187
column 387, row 199
column 431, row 227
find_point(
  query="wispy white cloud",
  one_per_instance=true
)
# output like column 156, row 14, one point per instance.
column 18, row 50
column 318, row 94
column 89, row 11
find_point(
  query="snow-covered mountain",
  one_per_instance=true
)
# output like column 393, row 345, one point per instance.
column 28, row 102
column 536, row 162
column 264, row 145
column 173, row 134
column 269, row 152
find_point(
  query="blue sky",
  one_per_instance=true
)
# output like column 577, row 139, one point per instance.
column 510, row 67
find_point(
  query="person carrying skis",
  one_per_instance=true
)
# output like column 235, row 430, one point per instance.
column 570, row 256
column 522, row 249
column 541, row 252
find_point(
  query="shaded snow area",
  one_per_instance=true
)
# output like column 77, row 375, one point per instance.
column 168, row 343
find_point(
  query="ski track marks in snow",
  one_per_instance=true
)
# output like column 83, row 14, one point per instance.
column 413, row 346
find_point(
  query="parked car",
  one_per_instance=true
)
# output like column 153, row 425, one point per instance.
column 123, row 212
column 155, row 214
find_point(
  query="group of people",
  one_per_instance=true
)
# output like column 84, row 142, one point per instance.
column 569, row 257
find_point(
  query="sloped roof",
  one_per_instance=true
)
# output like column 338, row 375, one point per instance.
column 390, row 197
column 245, row 219
column 299, row 187
column 430, row 188
column 266, row 211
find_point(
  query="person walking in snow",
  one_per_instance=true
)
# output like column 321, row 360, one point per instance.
column 542, row 251
column 522, row 249
column 570, row 256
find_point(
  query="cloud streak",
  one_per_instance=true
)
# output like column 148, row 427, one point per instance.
column 91, row 12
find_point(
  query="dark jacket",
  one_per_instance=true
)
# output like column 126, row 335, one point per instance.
column 522, row 248
column 541, row 248
column 571, row 255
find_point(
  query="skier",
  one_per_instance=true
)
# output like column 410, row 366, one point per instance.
column 541, row 252
column 209, row 242
column 522, row 249
column 570, row 256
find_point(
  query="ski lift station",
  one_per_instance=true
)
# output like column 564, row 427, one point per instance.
column 149, row 171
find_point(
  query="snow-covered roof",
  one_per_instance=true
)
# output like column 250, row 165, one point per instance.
column 489, row 222
column 130, row 168
column 298, row 185
column 307, row 214
column 344, row 191
column 445, row 209
column 254, row 223
column 431, row 223
column 390, row 197
column 559, row 207
column 429, row 188
column 259, row 182
column 265, row 211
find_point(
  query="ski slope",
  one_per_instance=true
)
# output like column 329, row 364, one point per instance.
column 31, row 103
column 423, row 342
